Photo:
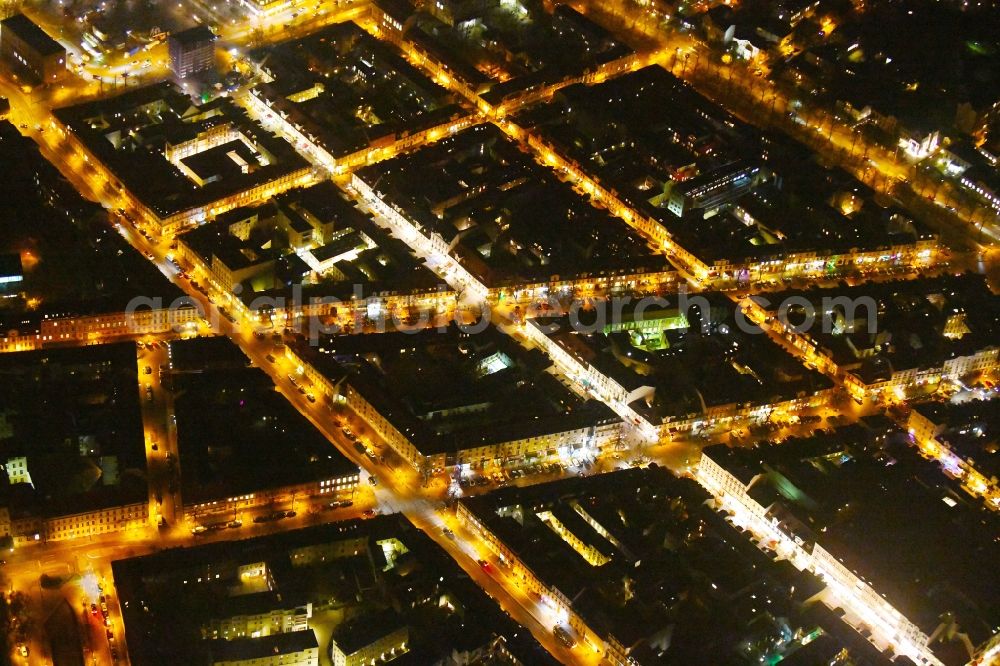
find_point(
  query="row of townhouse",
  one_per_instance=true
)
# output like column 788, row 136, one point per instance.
column 536, row 446
column 901, row 381
column 592, row 381
column 737, row 415
column 343, row 485
column 606, row 283
column 921, row 253
column 31, row 528
column 266, row 104
column 136, row 321
column 925, row 435
column 619, row 398
column 897, row 384
column 847, row 588
column 558, row 603
column 180, row 221
column 543, row 446
column 288, row 309
column 142, row 320
column 521, row 98
column 408, row 232
column 817, row 262
column 549, row 596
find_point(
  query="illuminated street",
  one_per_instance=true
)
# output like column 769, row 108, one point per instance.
column 285, row 148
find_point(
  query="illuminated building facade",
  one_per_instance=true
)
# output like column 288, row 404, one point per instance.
column 26, row 50
column 29, row 529
column 191, row 51
column 143, row 321
column 113, row 136
column 380, row 639
column 265, row 7
column 297, row 648
column 760, row 493
column 104, row 521
column 335, row 487
column 711, row 190
column 11, row 273
column 263, row 615
column 549, row 439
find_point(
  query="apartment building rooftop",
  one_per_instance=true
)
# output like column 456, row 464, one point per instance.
column 487, row 201
column 449, row 391
column 73, row 415
column 29, row 32
column 971, row 429
column 237, row 435
column 642, row 559
column 874, row 504
column 240, row 650
column 347, row 90
column 526, row 40
column 133, row 134
column 881, row 328
column 680, row 364
column 672, row 154
column 362, row 566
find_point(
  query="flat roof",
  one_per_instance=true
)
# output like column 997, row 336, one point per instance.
column 238, row 435
column 29, row 32
column 75, row 415
column 221, row 161
column 205, row 353
column 449, row 391
column 696, row 589
column 195, row 35
column 262, row 647
column 889, row 516
column 129, row 132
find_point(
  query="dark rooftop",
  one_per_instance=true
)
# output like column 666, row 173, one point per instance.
column 357, row 563
column 917, row 324
column 237, row 435
column 696, row 362
column 679, row 585
column 359, row 632
column 128, row 132
column 263, row 647
column 891, row 517
column 29, row 32
column 75, row 414
column 488, row 198
column 195, row 35
column 452, row 391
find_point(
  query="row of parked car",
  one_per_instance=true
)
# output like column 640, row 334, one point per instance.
column 503, row 477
